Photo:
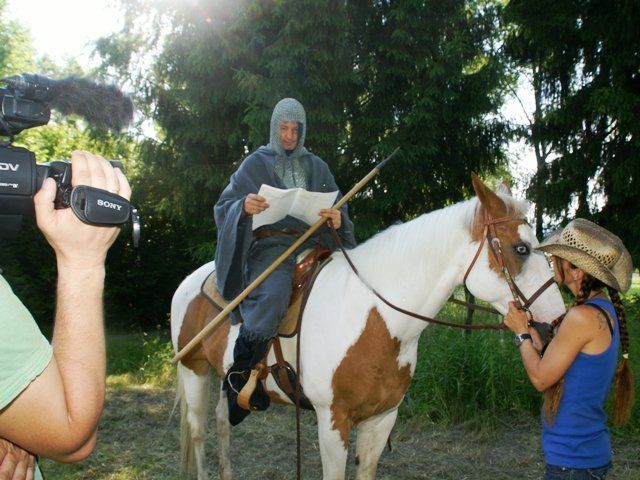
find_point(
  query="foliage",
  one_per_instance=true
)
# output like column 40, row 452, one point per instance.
column 142, row 358
column 472, row 377
column 428, row 82
column 478, row 378
column 590, row 95
column 372, row 76
column 16, row 51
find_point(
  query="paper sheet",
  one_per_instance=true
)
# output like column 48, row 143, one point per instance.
column 297, row 202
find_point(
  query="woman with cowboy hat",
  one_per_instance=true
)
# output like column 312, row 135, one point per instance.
column 578, row 365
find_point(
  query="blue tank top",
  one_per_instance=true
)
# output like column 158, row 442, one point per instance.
column 579, row 437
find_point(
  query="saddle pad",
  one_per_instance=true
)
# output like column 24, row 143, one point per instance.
column 288, row 324
column 210, row 291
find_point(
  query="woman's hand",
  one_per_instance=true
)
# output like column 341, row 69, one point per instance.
column 516, row 319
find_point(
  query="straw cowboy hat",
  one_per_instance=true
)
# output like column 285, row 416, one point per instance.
column 593, row 249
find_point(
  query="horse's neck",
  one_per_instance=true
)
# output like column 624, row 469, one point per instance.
column 417, row 265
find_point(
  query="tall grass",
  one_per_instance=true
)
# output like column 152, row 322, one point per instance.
column 140, row 358
column 478, row 377
column 474, row 378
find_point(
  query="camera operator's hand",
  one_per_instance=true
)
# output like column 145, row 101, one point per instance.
column 15, row 463
column 57, row 415
column 77, row 244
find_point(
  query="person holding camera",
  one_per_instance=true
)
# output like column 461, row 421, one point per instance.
column 52, row 395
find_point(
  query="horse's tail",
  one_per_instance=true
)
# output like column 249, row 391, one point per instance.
column 189, row 416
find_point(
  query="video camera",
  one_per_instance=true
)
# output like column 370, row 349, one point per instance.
column 26, row 102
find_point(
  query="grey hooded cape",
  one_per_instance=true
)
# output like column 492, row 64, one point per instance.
column 235, row 236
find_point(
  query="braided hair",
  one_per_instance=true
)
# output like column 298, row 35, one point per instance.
column 624, row 391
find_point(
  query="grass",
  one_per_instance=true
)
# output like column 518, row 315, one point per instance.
column 478, row 378
column 139, row 381
column 470, row 400
column 141, row 359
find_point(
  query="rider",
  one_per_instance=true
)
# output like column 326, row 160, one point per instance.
column 243, row 254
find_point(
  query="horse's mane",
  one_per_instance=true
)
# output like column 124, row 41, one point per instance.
column 428, row 227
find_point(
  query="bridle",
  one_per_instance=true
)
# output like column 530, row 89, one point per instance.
column 495, row 246
column 491, row 237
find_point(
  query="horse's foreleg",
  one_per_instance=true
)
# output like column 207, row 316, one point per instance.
column 372, row 437
column 333, row 450
column 223, row 427
column 196, row 394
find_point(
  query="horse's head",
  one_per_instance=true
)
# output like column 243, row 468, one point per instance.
column 506, row 243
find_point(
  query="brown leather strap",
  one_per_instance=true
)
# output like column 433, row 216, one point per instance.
column 283, row 378
column 495, row 246
column 268, row 232
column 538, row 292
column 475, row 257
column 259, row 372
column 473, row 306
column 500, row 326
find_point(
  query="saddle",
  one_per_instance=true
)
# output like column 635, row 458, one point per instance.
column 308, row 265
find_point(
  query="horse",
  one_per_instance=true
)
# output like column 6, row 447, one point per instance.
column 357, row 354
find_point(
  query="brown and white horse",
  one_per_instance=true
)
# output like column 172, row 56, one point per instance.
column 358, row 355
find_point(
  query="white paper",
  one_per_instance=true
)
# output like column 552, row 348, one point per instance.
column 297, row 202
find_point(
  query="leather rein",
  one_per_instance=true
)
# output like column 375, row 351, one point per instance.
column 495, row 246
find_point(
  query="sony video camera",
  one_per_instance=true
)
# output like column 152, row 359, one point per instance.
column 26, row 102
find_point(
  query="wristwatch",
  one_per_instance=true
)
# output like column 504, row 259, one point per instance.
column 521, row 338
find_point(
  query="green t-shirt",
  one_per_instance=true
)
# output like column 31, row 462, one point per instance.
column 24, row 351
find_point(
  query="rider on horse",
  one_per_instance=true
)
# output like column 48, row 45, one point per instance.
column 242, row 253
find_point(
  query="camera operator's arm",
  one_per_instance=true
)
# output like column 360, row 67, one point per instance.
column 57, row 414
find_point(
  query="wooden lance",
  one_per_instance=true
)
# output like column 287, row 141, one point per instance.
column 235, row 302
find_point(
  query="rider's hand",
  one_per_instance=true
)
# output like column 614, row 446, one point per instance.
column 254, row 204
column 332, row 214
column 77, row 244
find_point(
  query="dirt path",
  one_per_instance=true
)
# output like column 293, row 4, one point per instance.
column 137, row 441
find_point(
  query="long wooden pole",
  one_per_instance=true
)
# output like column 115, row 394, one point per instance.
column 235, row 302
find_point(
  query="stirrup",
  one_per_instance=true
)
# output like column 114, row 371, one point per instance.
column 259, row 372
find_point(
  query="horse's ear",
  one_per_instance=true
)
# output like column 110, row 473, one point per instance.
column 504, row 189
column 488, row 198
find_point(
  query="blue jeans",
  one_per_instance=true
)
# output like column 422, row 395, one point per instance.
column 553, row 472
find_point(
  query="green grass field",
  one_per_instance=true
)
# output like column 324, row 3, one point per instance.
column 469, row 393
column 478, row 377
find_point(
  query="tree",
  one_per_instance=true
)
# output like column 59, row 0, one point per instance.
column 372, row 75
column 590, row 93
column 27, row 261
column 429, row 82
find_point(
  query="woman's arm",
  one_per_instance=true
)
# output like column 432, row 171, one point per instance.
column 576, row 330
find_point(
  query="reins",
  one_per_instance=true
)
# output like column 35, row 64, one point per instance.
column 495, row 245
column 491, row 236
column 519, row 298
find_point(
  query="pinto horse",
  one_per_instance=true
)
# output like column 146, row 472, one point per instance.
column 357, row 354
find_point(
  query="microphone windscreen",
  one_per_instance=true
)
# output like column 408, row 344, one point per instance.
column 103, row 106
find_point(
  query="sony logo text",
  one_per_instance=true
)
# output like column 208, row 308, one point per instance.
column 107, row 204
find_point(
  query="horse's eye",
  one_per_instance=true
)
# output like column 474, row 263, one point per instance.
column 522, row 249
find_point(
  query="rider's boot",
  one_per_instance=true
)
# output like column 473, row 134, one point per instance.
column 246, row 354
